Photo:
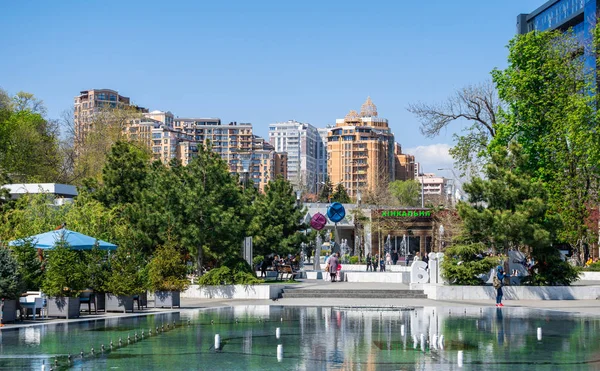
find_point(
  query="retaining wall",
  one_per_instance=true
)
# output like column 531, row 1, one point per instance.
column 233, row 292
column 442, row 292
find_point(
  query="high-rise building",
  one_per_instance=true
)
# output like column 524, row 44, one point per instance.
column 361, row 151
column 405, row 164
column 301, row 143
column 578, row 15
column 322, row 156
column 90, row 102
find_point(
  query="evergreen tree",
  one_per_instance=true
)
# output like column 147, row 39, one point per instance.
column 277, row 219
column 341, row 195
column 65, row 274
column 10, row 280
column 508, row 210
column 326, row 191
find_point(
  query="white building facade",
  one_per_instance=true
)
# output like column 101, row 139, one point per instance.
column 301, row 143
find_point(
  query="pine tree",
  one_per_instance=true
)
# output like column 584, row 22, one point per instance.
column 341, row 195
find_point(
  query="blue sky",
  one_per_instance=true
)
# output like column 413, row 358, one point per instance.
column 261, row 61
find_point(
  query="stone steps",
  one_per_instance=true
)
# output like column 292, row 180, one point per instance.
column 357, row 294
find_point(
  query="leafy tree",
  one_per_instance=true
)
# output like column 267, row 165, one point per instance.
column 167, row 270
column 277, row 219
column 408, row 193
column 97, row 269
column 65, row 274
column 509, row 210
column 10, row 281
column 341, row 195
column 326, row 191
column 552, row 113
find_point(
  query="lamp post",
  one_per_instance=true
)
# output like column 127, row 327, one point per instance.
column 422, row 187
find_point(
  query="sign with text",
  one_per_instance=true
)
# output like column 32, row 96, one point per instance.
column 404, row 213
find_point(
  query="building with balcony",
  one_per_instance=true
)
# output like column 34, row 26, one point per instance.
column 89, row 103
column 361, row 151
column 404, row 164
column 301, row 142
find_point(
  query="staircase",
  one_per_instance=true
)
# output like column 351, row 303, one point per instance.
column 354, row 294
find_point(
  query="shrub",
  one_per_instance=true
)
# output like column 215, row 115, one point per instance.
column 167, row 270
column 65, row 272
column 234, row 271
column 461, row 266
column 128, row 275
column 354, row 260
column 10, row 281
column 594, row 267
column 97, row 269
column 550, row 269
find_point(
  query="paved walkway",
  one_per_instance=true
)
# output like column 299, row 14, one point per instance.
column 584, row 307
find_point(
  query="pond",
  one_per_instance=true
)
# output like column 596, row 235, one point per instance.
column 313, row 338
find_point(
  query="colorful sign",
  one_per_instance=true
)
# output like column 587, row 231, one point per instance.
column 405, row 213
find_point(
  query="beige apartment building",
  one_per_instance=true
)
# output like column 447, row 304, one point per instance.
column 90, row 102
column 361, row 150
column 404, row 164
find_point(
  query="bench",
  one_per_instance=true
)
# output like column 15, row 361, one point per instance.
column 288, row 272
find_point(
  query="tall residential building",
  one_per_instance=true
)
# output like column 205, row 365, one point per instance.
column 579, row 15
column 301, row 143
column 90, row 102
column 436, row 189
column 322, row 156
column 361, row 150
column 404, row 164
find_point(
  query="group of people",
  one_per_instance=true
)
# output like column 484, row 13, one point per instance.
column 374, row 261
column 276, row 262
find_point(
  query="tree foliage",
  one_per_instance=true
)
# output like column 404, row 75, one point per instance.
column 326, row 191
column 408, row 192
column 277, row 219
column 341, row 195
column 65, row 274
column 464, row 264
column 167, row 270
column 551, row 112
column 10, row 280
column 508, row 210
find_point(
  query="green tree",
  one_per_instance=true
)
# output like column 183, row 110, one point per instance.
column 127, row 273
column 552, row 113
column 167, row 270
column 65, row 272
column 462, row 266
column 277, row 220
column 407, row 192
column 10, row 281
column 341, row 195
column 30, row 265
column 508, row 210
column 326, row 191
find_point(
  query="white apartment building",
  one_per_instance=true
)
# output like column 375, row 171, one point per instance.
column 301, row 142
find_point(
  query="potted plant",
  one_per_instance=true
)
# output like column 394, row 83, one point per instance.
column 167, row 276
column 98, row 270
column 10, row 286
column 125, row 280
column 64, row 280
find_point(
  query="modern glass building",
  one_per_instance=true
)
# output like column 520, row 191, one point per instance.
column 579, row 15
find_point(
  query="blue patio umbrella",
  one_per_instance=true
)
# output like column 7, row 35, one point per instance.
column 75, row 240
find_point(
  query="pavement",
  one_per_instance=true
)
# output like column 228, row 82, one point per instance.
column 582, row 307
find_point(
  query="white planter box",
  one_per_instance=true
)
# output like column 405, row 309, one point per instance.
column 233, row 292
column 443, row 292
column 589, row 276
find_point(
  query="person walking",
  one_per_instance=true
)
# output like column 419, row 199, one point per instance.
column 368, row 261
column 333, row 264
column 426, row 258
column 497, row 282
column 327, row 260
column 375, row 262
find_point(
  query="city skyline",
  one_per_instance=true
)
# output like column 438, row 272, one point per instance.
column 263, row 63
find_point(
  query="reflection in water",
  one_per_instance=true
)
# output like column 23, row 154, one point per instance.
column 315, row 338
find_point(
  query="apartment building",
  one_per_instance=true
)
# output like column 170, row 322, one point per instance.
column 361, row 150
column 90, row 103
column 301, row 143
column 404, row 164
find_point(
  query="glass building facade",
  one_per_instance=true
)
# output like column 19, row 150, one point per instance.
column 580, row 16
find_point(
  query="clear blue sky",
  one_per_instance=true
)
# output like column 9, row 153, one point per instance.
column 260, row 61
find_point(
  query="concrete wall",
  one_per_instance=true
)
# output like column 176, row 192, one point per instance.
column 590, row 276
column 233, row 292
column 384, row 277
column 441, row 292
